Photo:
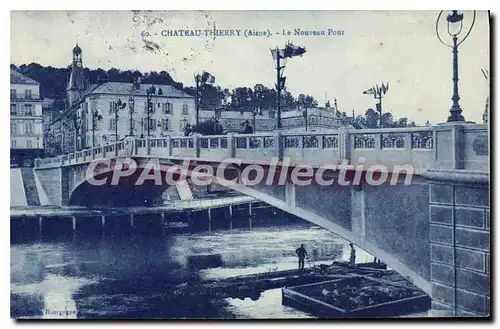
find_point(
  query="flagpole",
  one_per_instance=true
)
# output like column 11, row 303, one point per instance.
column 380, row 101
column 278, row 88
column 197, row 84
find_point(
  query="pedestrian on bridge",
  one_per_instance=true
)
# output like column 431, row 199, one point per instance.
column 301, row 253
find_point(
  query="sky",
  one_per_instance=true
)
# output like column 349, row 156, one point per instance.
column 398, row 47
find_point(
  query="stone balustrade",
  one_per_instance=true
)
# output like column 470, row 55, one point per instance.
column 447, row 146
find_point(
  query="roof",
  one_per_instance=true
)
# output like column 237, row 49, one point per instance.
column 123, row 88
column 47, row 102
column 18, row 78
column 77, row 49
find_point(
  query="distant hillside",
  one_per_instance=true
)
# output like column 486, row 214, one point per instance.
column 53, row 85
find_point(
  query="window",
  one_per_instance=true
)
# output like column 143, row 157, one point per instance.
column 167, row 108
column 112, row 124
column 27, row 94
column 13, row 143
column 13, row 109
column 185, row 109
column 152, row 124
column 28, row 109
column 29, row 144
column 13, row 128
column 13, row 93
column 28, row 127
column 183, row 124
column 165, row 124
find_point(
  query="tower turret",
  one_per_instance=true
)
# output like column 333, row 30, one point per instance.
column 76, row 82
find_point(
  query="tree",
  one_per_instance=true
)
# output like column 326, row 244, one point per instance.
column 242, row 98
column 209, row 127
column 371, row 118
column 387, row 120
column 400, row 123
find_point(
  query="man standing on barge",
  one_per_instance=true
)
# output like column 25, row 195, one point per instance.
column 352, row 257
column 302, row 253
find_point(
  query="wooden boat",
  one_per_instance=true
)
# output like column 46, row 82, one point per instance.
column 356, row 296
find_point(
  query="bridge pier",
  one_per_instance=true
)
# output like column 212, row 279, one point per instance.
column 460, row 241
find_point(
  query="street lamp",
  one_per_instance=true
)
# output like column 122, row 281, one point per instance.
column 63, row 136
column 142, row 128
column 257, row 106
column 455, row 25
column 278, row 55
column 149, row 106
column 117, row 107
column 378, row 93
column 131, row 105
column 38, row 147
column 304, row 113
column 201, row 80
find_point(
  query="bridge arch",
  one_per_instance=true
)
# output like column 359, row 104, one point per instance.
column 130, row 194
column 330, row 225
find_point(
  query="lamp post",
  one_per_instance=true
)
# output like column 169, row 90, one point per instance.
column 305, row 116
column 149, row 107
column 118, row 106
column 37, row 147
column 378, row 93
column 454, row 28
column 278, row 55
column 63, row 136
column 131, row 105
column 96, row 116
column 201, row 80
column 258, row 96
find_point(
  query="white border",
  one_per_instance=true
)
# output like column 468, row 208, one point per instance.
column 190, row 4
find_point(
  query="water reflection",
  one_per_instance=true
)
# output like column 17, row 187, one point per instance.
column 139, row 276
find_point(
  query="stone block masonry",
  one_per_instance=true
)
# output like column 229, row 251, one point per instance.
column 460, row 246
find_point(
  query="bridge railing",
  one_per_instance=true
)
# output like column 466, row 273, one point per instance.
column 413, row 146
column 447, row 146
column 312, row 149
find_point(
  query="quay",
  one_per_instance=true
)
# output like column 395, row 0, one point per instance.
column 195, row 214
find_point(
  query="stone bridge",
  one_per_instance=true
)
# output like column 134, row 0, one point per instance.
column 434, row 231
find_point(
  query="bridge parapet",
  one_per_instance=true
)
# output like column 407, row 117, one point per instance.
column 447, row 146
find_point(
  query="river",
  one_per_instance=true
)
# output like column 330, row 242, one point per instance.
column 136, row 276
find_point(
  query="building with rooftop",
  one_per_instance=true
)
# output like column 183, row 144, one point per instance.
column 26, row 123
column 102, row 113
column 318, row 119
